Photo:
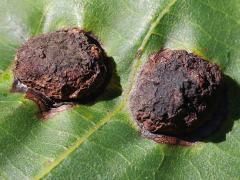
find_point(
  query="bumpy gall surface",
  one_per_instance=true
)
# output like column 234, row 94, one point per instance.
column 175, row 92
column 65, row 65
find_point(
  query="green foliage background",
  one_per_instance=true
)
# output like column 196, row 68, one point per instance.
column 101, row 141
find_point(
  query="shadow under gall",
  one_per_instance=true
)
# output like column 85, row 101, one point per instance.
column 230, row 111
column 227, row 111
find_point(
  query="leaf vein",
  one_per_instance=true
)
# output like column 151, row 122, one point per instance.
column 105, row 119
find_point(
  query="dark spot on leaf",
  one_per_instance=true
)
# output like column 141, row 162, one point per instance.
column 177, row 93
column 64, row 66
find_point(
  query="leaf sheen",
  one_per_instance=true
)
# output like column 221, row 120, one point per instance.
column 101, row 141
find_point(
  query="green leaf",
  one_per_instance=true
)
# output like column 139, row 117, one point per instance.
column 101, row 141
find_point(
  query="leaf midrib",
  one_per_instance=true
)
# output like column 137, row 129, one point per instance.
column 117, row 109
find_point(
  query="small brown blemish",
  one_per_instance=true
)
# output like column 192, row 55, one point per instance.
column 54, row 111
column 138, row 54
column 165, row 139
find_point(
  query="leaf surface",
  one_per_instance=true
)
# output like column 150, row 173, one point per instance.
column 101, row 141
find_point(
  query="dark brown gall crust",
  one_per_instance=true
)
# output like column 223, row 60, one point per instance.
column 66, row 65
column 175, row 93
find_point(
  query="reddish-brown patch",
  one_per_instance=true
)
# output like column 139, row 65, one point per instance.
column 175, row 94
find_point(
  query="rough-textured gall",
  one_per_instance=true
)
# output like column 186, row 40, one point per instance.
column 175, row 92
column 65, row 65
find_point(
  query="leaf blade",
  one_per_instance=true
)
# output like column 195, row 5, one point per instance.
column 102, row 141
